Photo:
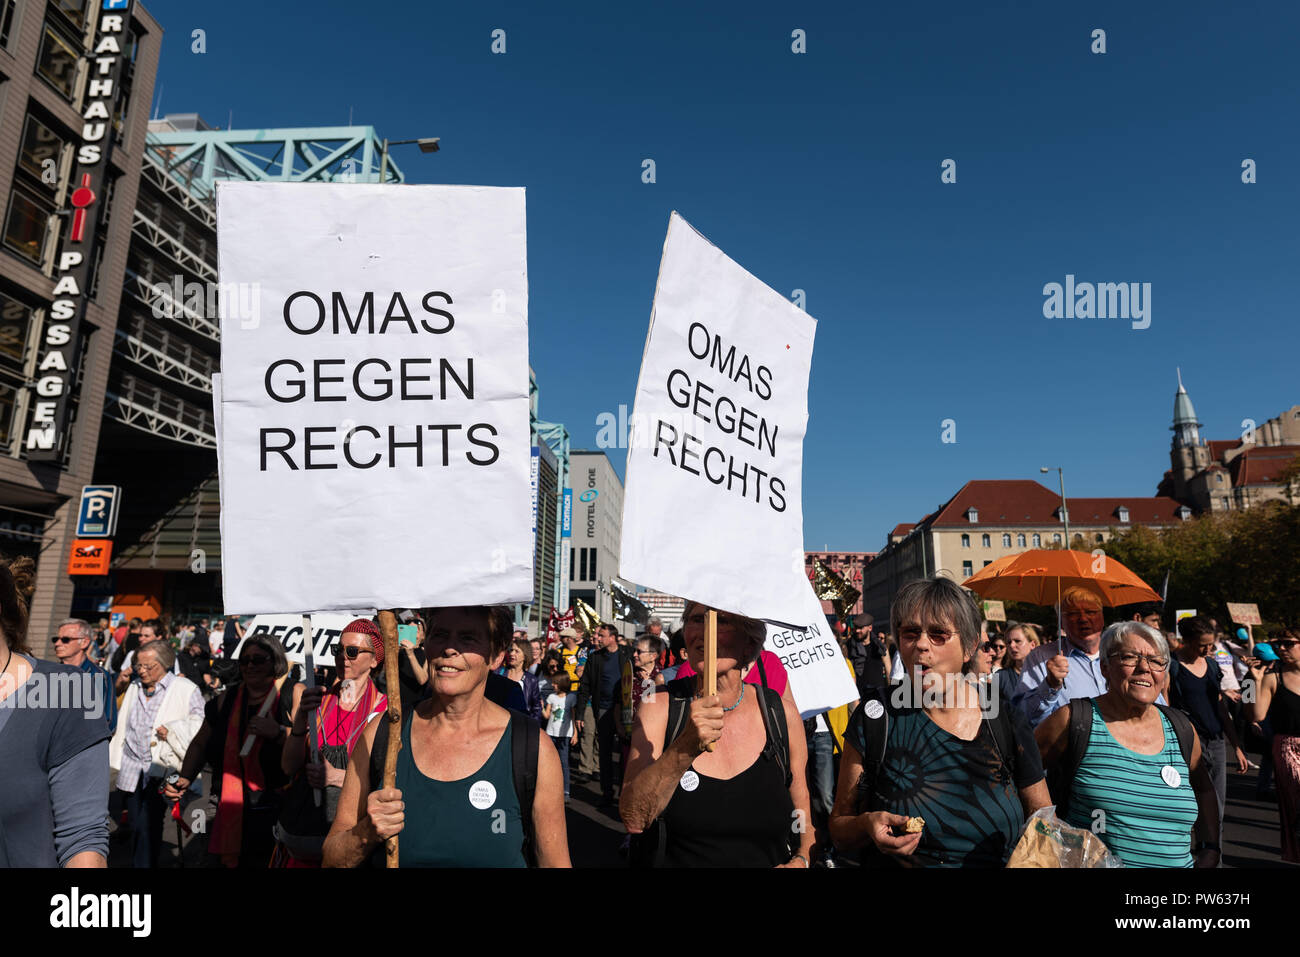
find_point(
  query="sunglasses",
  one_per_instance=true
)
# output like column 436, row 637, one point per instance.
column 936, row 637
column 1287, row 643
column 252, row 661
column 351, row 651
column 60, row 639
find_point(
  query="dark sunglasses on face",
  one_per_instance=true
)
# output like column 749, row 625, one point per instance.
column 1287, row 643
column 252, row 661
column 59, row 639
column 351, row 651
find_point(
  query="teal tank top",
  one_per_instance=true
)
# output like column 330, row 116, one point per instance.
column 473, row 822
column 1147, row 822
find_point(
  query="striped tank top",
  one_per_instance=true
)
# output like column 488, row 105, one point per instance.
column 1147, row 823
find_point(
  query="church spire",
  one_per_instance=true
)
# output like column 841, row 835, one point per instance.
column 1185, row 428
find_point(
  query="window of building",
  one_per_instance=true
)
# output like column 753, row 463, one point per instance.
column 967, row 569
column 985, row 541
column 591, row 564
column 965, row 541
column 1006, row 540
column 1184, row 512
column 1037, row 540
column 8, row 12
column 1020, row 540
column 1099, row 538
column 41, row 154
column 27, row 225
column 972, row 515
column 57, row 61
column 988, row 562
column 15, row 327
column 1056, row 537
column 1123, row 514
column 74, row 10
column 582, row 555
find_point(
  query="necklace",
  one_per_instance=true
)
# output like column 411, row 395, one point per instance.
column 738, row 700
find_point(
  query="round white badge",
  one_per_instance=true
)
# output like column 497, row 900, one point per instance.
column 1171, row 776
column 690, row 781
column 482, row 794
column 874, row 709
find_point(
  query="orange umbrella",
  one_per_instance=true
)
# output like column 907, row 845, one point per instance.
column 1040, row 575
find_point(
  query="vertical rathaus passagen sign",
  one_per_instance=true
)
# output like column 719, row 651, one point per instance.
column 62, row 339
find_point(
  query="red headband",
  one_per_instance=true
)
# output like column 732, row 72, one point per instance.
column 364, row 626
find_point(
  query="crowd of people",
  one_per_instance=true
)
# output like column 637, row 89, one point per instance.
column 961, row 731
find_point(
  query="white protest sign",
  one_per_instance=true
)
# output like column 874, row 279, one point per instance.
column 374, row 402
column 819, row 678
column 326, row 629
column 713, row 508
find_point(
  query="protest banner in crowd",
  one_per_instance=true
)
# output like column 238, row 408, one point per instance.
column 819, row 678
column 716, row 451
column 374, row 409
column 326, row 628
column 1244, row 613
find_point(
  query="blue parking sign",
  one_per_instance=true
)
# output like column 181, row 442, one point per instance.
column 97, row 517
column 117, row 4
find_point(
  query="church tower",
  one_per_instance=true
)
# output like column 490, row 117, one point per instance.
column 1189, row 455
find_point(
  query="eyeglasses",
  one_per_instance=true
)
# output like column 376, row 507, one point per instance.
column 911, row 633
column 351, row 651
column 1129, row 659
column 60, row 639
column 252, row 661
column 1284, row 643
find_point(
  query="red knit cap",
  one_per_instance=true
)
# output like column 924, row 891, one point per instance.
column 364, row 626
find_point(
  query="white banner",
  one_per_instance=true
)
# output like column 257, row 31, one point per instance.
column 374, row 398
column 713, row 508
column 326, row 629
column 819, row 677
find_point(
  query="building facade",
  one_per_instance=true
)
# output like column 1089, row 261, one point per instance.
column 76, row 82
column 988, row 519
column 597, row 529
column 1233, row 474
column 848, row 565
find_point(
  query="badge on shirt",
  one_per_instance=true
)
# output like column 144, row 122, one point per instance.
column 1171, row 776
column 482, row 794
column 690, row 780
column 874, row 709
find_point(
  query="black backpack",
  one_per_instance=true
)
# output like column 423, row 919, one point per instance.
column 649, row 848
column 876, row 733
column 524, row 733
column 1060, row 779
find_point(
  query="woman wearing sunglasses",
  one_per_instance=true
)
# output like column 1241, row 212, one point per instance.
column 928, row 777
column 338, row 715
column 242, row 737
column 1278, row 700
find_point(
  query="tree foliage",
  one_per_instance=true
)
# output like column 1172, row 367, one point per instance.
column 1249, row 556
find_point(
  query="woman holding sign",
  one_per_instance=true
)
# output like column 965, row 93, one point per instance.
column 483, row 785
column 721, row 775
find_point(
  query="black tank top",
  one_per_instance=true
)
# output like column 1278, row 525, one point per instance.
column 1284, row 710
column 744, row 821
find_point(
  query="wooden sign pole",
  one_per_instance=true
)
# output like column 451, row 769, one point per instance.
column 711, row 658
column 388, row 628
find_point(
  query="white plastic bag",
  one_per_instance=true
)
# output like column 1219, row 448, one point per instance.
column 1047, row 841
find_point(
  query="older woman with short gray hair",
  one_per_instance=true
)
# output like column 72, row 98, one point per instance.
column 930, row 777
column 1130, row 764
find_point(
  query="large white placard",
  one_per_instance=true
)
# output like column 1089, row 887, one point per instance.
column 374, row 396
column 713, row 506
column 819, row 678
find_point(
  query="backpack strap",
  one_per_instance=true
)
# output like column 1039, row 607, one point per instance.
column 1076, row 746
column 875, row 732
column 680, row 691
column 524, row 733
column 1183, row 730
column 772, row 709
column 1004, row 740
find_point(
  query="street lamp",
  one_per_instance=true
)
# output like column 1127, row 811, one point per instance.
column 1065, row 511
column 427, row 144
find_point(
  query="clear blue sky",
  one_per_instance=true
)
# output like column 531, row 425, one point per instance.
column 822, row 172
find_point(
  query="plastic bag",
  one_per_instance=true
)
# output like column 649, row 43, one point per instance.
column 1047, row 841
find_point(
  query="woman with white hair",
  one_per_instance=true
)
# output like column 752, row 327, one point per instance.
column 1130, row 769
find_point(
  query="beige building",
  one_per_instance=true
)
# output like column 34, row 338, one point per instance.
column 988, row 519
column 1233, row 474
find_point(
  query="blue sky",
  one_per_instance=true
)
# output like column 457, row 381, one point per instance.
column 821, row 171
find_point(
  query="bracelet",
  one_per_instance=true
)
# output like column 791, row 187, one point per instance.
column 1207, row 846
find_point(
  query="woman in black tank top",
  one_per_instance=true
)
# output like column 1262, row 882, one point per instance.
column 743, row 804
column 1278, row 699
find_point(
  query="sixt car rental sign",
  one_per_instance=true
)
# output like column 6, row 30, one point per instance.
column 62, row 340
